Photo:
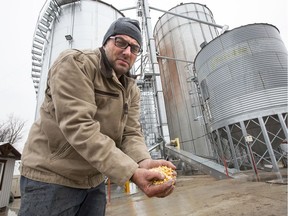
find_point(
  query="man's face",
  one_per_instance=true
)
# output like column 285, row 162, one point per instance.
column 120, row 59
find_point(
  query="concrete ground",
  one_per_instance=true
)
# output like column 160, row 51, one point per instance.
column 198, row 195
column 205, row 196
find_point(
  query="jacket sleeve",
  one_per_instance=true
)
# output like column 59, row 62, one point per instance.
column 133, row 143
column 72, row 90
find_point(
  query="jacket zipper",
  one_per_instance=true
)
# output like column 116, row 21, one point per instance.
column 125, row 104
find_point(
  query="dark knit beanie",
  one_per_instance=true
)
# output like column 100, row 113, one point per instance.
column 124, row 26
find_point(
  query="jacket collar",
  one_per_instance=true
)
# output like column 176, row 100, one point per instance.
column 106, row 68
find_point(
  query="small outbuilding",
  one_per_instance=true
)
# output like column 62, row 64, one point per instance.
column 8, row 157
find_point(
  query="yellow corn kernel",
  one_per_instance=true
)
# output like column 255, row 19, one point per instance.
column 166, row 171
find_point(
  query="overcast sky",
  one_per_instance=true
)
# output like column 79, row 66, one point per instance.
column 18, row 22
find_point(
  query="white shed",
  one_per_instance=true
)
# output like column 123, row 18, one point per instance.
column 8, row 156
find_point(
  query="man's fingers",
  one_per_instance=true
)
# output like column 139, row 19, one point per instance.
column 160, row 190
column 155, row 176
column 168, row 189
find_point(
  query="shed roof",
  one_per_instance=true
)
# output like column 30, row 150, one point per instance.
column 8, row 151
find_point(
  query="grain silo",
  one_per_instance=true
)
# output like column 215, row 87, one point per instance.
column 64, row 24
column 243, row 80
column 178, row 40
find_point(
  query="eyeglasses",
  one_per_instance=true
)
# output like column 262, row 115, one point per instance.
column 123, row 44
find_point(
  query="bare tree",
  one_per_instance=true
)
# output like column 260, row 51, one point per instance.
column 11, row 130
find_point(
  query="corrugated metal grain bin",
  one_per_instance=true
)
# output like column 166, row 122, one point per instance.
column 243, row 74
column 65, row 24
column 180, row 39
column 243, row 80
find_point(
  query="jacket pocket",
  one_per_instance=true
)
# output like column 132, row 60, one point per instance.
column 104, row 93
column 106, row 100
column 64, row 151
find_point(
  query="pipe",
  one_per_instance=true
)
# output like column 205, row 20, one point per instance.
column 204, row 165
column 189, row 18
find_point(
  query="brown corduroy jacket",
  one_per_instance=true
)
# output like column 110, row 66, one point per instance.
column 88, row 126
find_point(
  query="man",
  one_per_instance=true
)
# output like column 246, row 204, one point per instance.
column 89, row 128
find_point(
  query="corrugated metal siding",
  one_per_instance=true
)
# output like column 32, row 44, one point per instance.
column 7, row 182
column 246, row 71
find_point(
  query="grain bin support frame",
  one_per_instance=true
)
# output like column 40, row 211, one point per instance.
column 239, row 155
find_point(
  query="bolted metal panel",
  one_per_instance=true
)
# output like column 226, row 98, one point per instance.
column 245, row 70
column 178, row 40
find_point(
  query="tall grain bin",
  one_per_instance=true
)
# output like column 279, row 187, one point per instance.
column 178, row 40
column 64, row 24
column 243, row 80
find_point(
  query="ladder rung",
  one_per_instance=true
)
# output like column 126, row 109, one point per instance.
column 45, row 23
column 36, row 64
column 47, row 17
column 38, row 40
column 36, row 52
column 50, row 12
column 41, row 34
column 37, row 46
column 53, row 6
column 36, row 70
column 42, row 28
column 36, row 75
column 36, row 58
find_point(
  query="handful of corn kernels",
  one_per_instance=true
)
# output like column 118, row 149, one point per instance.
column 166, row 171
